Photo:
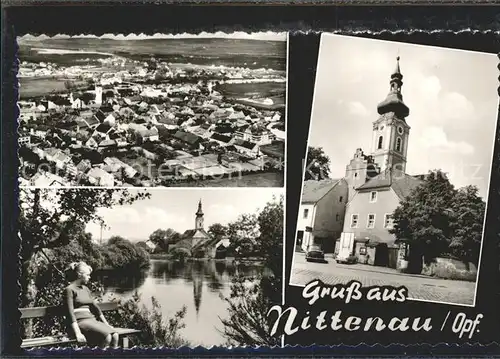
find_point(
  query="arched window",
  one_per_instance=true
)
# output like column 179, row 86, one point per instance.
column 380, row 140
column 398, row 144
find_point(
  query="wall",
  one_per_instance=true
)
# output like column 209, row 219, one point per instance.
column 387, row 201
column 457, row 264
column 326, row 228
column 302, row 222
column 198, row 237
column 357, row 172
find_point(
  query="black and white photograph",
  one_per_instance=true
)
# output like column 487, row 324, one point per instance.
column 399, row 159
column 149, row 267
column 163, row 110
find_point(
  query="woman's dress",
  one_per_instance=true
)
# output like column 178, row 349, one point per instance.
column 83, row 310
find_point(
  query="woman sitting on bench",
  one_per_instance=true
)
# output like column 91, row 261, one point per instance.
column 83, row 310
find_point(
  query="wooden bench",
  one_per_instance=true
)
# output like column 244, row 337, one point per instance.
column 57, row 311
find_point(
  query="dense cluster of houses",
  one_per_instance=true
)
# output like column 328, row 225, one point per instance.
column 145, row 133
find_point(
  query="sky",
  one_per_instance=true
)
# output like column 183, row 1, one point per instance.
column 263, row 35
column 452, row 96
column 176, row 208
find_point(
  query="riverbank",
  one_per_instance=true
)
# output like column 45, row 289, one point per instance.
column 232, row 260
column 201, row 286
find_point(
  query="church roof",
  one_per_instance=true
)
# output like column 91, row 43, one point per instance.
column 393, row 102
column 400, row 182
column 191, row 232
column 188, row 233
column 208, row 243
column 313, row 191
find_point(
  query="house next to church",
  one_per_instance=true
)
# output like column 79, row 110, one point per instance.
column 197, row 242
column 321, row 213
column 376, row 183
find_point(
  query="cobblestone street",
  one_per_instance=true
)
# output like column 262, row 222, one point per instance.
column 419, row 287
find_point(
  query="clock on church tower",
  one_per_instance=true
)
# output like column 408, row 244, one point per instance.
column 390, row 130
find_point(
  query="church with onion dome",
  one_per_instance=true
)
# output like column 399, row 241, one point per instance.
column 364, row 199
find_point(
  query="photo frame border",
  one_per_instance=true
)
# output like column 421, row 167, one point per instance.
column 492, row 159
column 348, row 19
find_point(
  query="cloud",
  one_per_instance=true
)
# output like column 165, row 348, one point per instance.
column 223, row 212
column 457, row 107
column 357, row 109
column 429, row 86
column 435, row 139
column 117, row 215
column 162, row 218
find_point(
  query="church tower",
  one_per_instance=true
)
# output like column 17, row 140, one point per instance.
column 98, row 95
column 390, row 130
column 198, row 224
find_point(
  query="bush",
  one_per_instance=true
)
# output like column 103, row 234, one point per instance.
column 447, row 270
column 248, row 304
column 180, row 254
column 155, row 330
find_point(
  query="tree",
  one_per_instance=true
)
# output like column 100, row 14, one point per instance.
column 123, row 254
column 424, row 217
column 163, row 238
column 467, row 226
column 119, row 254
column 317, row 164
column 49, row 218
column 217, row 230
column 87, row 97
column 69, row 85
column 243, row 234
column 270, row 242
column 251, row 297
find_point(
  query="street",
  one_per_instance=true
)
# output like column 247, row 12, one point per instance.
column 419, row 287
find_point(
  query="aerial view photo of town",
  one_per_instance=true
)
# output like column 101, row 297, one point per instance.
column 152, row 111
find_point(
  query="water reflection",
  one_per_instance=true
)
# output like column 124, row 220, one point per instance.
column 121, row 283
column 199, row 285
column 215, row 272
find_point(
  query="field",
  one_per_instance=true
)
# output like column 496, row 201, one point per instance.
column 274, row 90
column 39, row 86
column 225, row 52
column 190, row 52
column 270, row 179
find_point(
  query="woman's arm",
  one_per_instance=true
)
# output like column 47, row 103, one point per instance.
column 71, row 312
column 96, row 310
column 70, row 305
column 103, row 319
column 99, row 312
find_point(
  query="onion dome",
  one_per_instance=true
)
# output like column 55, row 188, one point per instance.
column 394, row 100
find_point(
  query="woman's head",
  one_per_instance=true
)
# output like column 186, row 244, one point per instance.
column 79, row 271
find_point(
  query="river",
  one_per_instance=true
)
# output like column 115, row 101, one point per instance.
column 199, row 285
